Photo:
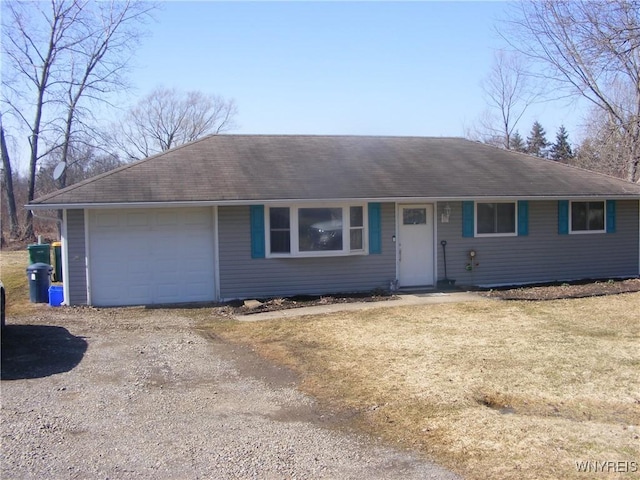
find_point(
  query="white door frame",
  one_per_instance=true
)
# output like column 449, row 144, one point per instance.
column 432, row 207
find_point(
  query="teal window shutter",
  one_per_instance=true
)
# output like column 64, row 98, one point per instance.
column 257, row 231
column 468, row 228
column 523, row 217
column 375, row 228
column 611, row 216
column 563, row 217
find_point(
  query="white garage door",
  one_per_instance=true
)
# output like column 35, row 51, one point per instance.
column 151, row 256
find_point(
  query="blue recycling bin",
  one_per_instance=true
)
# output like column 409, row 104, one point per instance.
column 39, row 281
column 56, row 295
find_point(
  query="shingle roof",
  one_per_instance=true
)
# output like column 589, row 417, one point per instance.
column 272, row 167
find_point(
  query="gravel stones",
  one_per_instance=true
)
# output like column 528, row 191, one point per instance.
column 134, row 393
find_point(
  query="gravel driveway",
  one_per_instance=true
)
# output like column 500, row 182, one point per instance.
column 134, row 393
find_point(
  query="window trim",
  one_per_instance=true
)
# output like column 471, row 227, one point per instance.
column 492, row 235
column 587, row 232
column 294, row 230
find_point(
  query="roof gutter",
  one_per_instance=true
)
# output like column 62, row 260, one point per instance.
column 180, row 204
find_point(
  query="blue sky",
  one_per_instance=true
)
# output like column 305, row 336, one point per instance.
column 332, row 68
column 365, row 68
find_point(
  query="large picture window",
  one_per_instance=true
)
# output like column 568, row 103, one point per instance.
column 497, row 218
column 587, row 217
column 316, row 230
column 319, row 229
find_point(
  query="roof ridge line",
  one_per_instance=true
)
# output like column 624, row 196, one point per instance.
column 343, row 135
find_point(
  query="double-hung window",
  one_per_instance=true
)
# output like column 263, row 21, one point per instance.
column 280, row 230
column 497, row 218
column 316, row 230
column 356, row 229
column 587, row 217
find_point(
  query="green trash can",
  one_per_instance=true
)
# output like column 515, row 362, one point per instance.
column 39, row 253
column 57, row 264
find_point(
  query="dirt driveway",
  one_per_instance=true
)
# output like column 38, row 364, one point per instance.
column 134, row 393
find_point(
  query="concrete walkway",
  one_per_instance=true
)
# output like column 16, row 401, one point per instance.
column 404, row 299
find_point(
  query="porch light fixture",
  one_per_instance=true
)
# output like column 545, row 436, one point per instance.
column 446, row 212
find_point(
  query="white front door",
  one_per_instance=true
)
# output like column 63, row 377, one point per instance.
column 415, row 245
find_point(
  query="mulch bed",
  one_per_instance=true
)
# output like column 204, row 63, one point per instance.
column 274, row 304
column 537, row 292
column 566, row 290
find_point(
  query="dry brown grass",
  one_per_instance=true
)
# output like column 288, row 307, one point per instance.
column 13, row 266
column 492, row 390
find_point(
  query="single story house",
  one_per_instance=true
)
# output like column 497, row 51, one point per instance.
column 253, row 216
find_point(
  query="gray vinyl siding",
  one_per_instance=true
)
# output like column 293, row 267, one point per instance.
column 76, row 247
column 543, row 255
column 244, row 277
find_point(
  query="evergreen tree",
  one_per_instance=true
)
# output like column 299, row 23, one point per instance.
column 536, row 141
column 517, row 143
column 561, row 150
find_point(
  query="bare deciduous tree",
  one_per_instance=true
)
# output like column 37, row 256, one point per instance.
column 83, row 160
column 107, row 32
column 603, row 146
column 167, row 118
column 508, row 93
column 32, row 51
column 592, row 50
column 57, row 54
column 7, row 185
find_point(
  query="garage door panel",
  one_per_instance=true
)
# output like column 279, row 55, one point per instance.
column 111, row 290
column 107, row 220
column 194, row 272
column 196, row 289
column 151, row 256
column 168, row 294
column 167, row 218
column 137, row 220
column 139, row 292
column 167, row 267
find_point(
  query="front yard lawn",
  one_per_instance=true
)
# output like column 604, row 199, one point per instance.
column 490, row 389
